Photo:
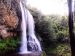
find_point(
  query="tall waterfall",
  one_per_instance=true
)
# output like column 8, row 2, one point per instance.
column 29, row 42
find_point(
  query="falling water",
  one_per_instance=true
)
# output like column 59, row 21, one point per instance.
column 29, row 42
column 31, row 32
column 23, row 48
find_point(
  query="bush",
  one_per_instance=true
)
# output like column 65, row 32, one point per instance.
column 45, row 30
column 53, row 30
column 63, row 50
column 8, row 44
column 60, row 50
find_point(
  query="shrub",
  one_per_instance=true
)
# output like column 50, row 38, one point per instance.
column 8, row 44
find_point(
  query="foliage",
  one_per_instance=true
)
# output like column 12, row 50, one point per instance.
column 61, row 50
column 8, row 44
column 43, row 53
column 53, row 30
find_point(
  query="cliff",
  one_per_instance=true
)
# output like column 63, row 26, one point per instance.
column 10, row 18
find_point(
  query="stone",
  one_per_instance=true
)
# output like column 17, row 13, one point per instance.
column 9, row 17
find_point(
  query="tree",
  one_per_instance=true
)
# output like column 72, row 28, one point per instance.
column 71, row 33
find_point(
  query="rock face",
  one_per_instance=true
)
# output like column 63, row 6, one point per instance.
column 10, row 17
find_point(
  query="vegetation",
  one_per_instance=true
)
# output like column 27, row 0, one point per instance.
column 53, row 30
column 9, row 44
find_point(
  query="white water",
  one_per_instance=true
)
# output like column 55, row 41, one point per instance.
column 31, row 31
column 23, row 48
column 28, row 22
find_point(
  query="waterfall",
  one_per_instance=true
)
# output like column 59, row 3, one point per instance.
column 29, row 42
column 31, row 32
column 23, row 48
